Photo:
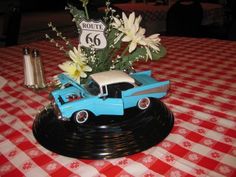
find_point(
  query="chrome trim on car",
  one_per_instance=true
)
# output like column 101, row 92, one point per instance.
column 58, row 112
column 163, row 88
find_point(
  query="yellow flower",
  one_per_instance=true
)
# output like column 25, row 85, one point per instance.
column 80, row 61
column 74, row 70
column 77, row 56
column 70, row 69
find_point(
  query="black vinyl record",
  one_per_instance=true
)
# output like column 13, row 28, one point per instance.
column 104, row 137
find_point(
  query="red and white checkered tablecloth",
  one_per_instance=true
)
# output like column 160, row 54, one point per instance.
column 202, row 97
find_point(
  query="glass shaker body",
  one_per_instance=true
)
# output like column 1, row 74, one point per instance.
column 38, row 70
column 28, row 68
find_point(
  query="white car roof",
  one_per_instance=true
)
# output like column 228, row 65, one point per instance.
column 111, row 77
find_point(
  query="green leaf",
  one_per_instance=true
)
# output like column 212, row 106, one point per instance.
column 112, row 36
column 77, row 14
column 160, row 54
column 138, row 54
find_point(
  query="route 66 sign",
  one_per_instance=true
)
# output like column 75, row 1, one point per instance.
column 92, row 34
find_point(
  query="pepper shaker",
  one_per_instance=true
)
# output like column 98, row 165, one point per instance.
column 38, row 70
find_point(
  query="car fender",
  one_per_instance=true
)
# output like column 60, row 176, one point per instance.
column 68, row 109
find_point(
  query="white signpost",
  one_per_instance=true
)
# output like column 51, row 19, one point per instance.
column 92, row 34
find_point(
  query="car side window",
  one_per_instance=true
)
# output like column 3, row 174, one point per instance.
column 92, row 87
column 114, row 90
column 125, row 86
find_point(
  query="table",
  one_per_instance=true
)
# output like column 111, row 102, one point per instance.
column 154, row 16
column 202, row 98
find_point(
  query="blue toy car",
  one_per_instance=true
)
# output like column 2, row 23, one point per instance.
column 106, row 93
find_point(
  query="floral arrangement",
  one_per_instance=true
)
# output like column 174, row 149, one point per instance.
column 126, row 44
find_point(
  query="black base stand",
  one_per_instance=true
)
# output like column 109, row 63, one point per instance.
column 104, row 137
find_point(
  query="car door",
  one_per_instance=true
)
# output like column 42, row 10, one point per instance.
column 110, row 102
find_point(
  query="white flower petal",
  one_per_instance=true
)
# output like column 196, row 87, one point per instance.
column 154, row 36
column 124, row 17
column 78, row 80
column 75, row 51
column 141, row 31
column 138, row 20
column 132, row 46
column 126, row 39
column 72, row 55
column 68, row 67
column 83, row 75
column 118, row 38
column 87, row 68
column 78, row 67
column 117, row 23
column 142, row 42
column 148, row 52
column 131, row 19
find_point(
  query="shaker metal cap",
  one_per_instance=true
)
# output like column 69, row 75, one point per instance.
column 35, row 53
column 26, row 51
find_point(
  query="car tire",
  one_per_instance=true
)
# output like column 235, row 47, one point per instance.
column 81, row 116
column 144, row 103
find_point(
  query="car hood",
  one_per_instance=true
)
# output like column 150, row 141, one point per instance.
column 69, row 94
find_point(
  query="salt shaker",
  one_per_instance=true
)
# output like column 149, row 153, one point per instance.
column 28, row 68
column 38, row 70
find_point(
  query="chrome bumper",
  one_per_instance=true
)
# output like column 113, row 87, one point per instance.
column 57, row 112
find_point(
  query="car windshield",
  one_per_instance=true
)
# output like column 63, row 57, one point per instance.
column 92, row 87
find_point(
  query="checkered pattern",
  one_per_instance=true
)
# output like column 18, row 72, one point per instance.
column 202, row 97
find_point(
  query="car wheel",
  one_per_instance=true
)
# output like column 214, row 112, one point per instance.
column 143, row 103
column 81, row 116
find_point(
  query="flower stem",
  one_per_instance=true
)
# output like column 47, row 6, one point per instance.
column 124, row 51
column 86, row 12
column 121, row 63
